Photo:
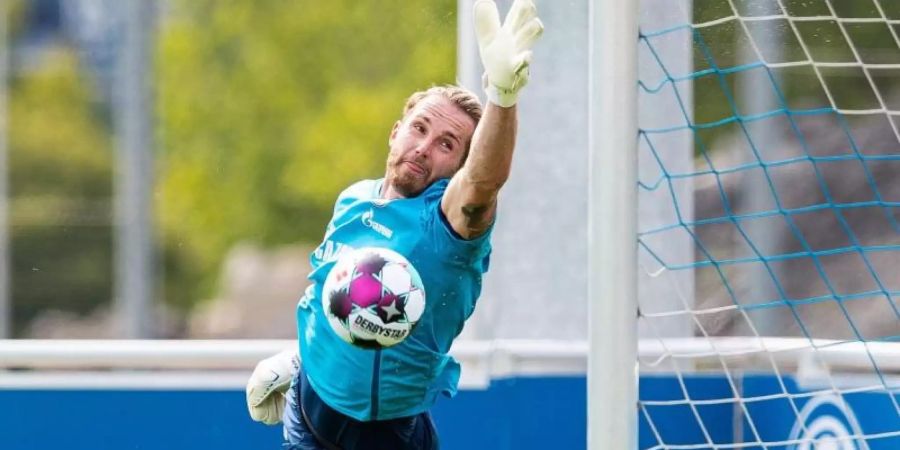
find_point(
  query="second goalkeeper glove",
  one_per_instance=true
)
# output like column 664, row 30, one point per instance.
column 266, row 387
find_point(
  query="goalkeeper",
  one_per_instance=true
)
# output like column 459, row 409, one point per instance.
column 447, row 160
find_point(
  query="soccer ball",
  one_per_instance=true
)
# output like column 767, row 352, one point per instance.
column 373, row 297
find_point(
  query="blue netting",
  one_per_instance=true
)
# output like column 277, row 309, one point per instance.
column 830, row 206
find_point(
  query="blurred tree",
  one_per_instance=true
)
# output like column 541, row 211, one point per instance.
column 269, row 108
column 60, row 189
column 15, row 12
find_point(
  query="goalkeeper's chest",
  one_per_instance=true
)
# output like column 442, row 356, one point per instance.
column 398, row 224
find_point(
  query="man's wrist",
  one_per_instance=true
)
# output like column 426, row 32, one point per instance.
column 501, row 97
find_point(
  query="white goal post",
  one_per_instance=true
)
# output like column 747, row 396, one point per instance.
column 612, row 225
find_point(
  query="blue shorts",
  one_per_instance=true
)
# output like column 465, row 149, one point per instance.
column 310, row 424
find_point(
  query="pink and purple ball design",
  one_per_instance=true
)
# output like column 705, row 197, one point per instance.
column 373, row 297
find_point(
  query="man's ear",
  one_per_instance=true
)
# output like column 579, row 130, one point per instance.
column 393, row 133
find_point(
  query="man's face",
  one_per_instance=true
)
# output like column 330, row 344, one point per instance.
column 428, row 144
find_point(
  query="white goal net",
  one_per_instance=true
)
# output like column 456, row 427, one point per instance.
column 787, row 291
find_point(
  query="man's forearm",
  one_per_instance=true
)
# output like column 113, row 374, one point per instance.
column 490, row 158
column 470, row 200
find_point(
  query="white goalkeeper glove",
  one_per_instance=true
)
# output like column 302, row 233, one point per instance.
column 506, row 50
column 266, row 387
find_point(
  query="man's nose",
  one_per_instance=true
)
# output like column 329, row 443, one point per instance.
column 424, row 148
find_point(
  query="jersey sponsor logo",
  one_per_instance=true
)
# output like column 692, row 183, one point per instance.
column 307, row 297
column 331, row 250
column 368, row 219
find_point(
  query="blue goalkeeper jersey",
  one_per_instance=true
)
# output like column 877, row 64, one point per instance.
column 405, row 379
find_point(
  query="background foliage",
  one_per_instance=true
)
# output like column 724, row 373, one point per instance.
column 265, row 111
column 269, row 109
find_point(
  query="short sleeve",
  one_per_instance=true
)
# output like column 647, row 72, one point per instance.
column 473, row 253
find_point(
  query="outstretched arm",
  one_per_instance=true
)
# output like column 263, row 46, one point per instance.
column 471, row 198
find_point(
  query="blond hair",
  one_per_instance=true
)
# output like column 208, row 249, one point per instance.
column 458, row 95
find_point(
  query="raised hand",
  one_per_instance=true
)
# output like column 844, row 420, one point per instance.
column 506, row 49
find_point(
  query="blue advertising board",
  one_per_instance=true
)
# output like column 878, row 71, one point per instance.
column 519, row 413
